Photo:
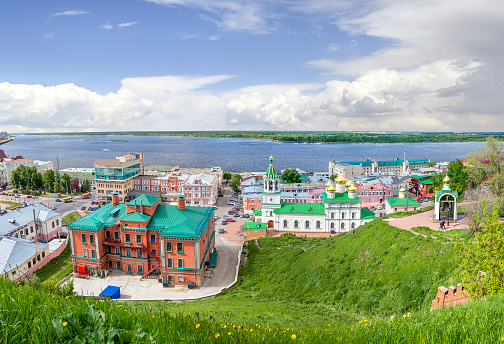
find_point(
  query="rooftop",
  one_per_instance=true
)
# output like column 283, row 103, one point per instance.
column 402, row 202
column 300, row 208
column 340, row 198
column 22, row 216
column 14, row 251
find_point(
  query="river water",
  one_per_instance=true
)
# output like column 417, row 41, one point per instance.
column 234, row 155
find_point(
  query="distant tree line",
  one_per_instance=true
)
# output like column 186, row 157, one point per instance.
column 315, row 136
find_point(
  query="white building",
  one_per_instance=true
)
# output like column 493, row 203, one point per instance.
column 340, row 210
column 17, row 256
column 43, row 166
column 200, row 189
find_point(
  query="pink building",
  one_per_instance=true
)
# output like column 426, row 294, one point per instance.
column 373, row 195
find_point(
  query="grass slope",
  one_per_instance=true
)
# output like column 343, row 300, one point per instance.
column 371, row 287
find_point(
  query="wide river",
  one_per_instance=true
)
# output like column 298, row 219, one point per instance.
column 234, row 155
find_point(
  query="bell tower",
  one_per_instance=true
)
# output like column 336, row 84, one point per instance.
column 271, row 199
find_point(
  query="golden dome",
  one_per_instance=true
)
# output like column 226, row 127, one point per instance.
column 446, row 180
column 331, row 188
column 352, row 188
column 402, row 190
column 340, row 179
column 329, row 183
column 271, row 158
column 348, row 183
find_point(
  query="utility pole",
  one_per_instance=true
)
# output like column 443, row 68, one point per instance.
column 35, row 223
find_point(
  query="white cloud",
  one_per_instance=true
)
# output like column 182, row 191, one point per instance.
column 107, row 26
column 129, row 24
column 333, row 47
column 49, row 35
column 184, row 36
column 70, row 13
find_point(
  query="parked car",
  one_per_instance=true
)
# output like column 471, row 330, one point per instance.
column 83, row 208
column 246, row 216
column 236, row 215
column 242, row 216
column 58, row 199
column 53, row 208
column 220, row 195
column 216, row 216
column 231, row 220
column 224, row 222
column 230, row 203
column 29, row 196
column 379, row 207
column 372, row 208
column 420, row 200
column 426, row 199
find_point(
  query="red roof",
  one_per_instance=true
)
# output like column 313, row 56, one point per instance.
column 2, row 154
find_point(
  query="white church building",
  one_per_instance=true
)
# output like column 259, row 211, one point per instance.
column 340, row 210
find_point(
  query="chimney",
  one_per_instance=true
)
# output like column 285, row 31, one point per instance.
column 181, row 202
column 115, row 199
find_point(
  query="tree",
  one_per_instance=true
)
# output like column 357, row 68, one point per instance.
column 67, row 184
column 489, row 163
column 482, row 263
column 235, row 182
column 227, row 176
column 290, row 175
column 458, row 175
column 477, row 202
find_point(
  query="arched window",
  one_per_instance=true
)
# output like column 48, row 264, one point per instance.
column 342, row 226
column 342, row 215
column 332, row 216
column 285, row 223
column 332, row 225
column 318, row 224
column 353, row 215
column 307, row 224
column 296, row 224
column 353, row 225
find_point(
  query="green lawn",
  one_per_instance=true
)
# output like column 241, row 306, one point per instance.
column 71, row 217
column 58, row 268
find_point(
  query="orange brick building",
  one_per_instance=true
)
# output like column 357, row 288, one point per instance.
column 450, row 296
column 145, row 237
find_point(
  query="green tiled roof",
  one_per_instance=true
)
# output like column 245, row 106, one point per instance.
column 366, row 214
column 340, row 198
column 423, row 176
column 145, row 200
column 440, row 193
column 101, row 217
column 136, row 217
column 257, row 212
column 258, row 226
column 402, row 202
column 426, row 181
column 271, row 172
column 300, row 208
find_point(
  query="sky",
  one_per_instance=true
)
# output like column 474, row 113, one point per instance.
column 378, row 65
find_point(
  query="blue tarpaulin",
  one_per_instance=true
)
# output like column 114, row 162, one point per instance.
column 112, row 291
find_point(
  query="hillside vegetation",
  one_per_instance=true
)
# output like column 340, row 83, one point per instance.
column 372, row 287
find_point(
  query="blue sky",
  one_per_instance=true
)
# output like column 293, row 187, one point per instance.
column 258, row 64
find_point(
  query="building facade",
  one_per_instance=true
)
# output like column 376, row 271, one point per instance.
column 373, row 195
column 355, row 168
column 401, row 203
column 81, row 174
column 116, row 175
column 19, row 256
column 43, row 166
column 10, row 164
column 145, row 237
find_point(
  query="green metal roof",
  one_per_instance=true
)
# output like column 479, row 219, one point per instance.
column 258, row 226
column 340, row 198
column 443, row 192
column 271, row 172
column 402, row 202
column 257, row 212
column 170, row 220
column 300, row 208
column 366, row 214
column 101, row 217
column 427, row 181
column 136, row 217
column 145, row 200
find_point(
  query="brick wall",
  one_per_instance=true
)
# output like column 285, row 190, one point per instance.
column 450, row 296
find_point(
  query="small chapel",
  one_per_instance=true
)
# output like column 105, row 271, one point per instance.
column 445, row 206
column 340, row 210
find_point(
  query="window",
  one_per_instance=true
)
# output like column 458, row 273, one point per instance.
column 170, row 278
column 110, row 264
column 43, row 254
column 318, row 224
column 353, row 225
column 342, row 215
column 129, row 267
column 57, row 222
column 83, row 238
column 140, row 269
column 180, row 263
column 29, row 265
column 117, row 250
column 307, row 224
column 169, row 263
column 152, row 239
column 85, row 252
column 296, row 224
column 109, row 249
column 332, row 225
column 181, row 279
column 107, row 235
column 168, row 247
column 128, row 252
column 353, row 215
column 343, row 226
column 31, row 229
column 116, row 235
column 139, row 239
column 127, row 237
column 285, row 223
column 139, row 253
column 53, row 224
column 91, row 239
column 153, row 252
column 180, row 248
column 93, row 254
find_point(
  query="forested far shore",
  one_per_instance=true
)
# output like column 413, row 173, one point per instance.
column 312, row 136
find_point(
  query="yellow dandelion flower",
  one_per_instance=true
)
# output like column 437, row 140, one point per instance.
column 65, row 323
column 67, row 297
column 251, row 329
column 360, row 321
column 229, row 333
column 197, row 325
column 217, row 335
column 365, row 324
column 404, row 316
column 293, row 337
column 20, row 283
column 119, row 306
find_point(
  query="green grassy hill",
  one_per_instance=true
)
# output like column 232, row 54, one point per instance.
column 372, row 287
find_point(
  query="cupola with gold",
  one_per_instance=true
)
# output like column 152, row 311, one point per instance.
column 352, row 191
column 402, row 193
column 340, row 184
column 446, row 182
column 330, row 191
